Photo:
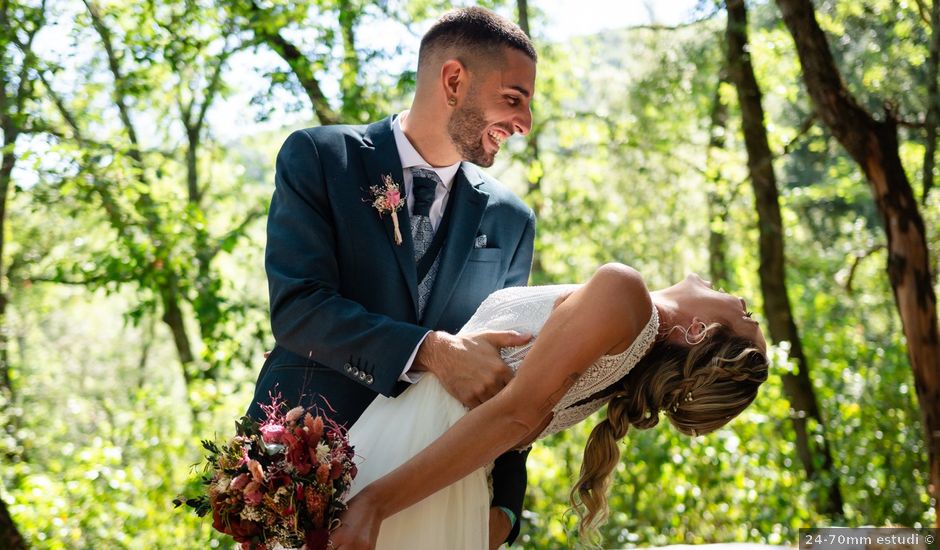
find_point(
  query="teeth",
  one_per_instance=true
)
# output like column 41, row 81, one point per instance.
column 496, row 136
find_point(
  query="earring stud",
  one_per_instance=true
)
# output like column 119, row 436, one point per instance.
column 452, row 101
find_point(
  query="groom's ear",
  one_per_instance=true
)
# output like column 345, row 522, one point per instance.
column 454, row 78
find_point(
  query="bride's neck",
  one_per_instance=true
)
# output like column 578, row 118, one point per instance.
column 668, row 311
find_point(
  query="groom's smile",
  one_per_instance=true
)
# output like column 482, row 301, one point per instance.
column 496, row 138
column 496, row 106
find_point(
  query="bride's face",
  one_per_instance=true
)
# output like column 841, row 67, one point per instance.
column 698, row 301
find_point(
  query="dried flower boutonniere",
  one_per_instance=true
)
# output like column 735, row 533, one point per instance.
column 388, row 198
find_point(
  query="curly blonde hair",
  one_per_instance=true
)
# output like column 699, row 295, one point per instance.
column 699, row 388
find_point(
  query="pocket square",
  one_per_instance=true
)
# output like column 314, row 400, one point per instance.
column 480, row 242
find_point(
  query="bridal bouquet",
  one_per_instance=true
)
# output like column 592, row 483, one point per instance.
column 279, row 483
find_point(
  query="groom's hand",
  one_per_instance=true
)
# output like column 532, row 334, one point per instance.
column 499, row 527
column 469, row 366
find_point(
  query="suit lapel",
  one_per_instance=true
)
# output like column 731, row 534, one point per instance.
column 380, row 157
column 467, row 213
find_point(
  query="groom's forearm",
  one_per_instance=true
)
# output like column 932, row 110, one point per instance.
column 339, row 333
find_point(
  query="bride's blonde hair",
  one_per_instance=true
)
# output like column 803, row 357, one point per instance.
column 699, row 388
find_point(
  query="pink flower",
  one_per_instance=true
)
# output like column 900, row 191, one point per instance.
column 253, row 494
column 387, row 200
column 294, row 414
column 272, row 433
column 393, row 198
column 240, row 481
column 257, row 473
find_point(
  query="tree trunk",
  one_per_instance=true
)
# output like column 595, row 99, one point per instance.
column 11, row 131
column 933, row 100
column 874, row 146
column 192, row 166
column 10, row 537
column 798, row 387
column 148, row 337
column 7, row 160
column 206, row 318
column 522, row 7
column 717, row 199
column 173, row 317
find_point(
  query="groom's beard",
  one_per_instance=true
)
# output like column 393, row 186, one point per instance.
column 467, row 128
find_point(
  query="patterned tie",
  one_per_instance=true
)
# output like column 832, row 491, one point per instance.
column 424, row 182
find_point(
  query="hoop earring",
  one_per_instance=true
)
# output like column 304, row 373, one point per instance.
column 451, row 101
column 701, row 337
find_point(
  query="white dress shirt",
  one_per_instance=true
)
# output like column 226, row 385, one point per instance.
column 410, row 158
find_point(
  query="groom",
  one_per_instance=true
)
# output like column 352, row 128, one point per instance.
column 366, row 296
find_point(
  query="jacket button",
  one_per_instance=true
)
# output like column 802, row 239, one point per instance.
column 368, row 379
column 354, row 372
column 348, row 367
column 362, row 375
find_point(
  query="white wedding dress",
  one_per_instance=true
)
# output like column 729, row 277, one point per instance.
column 392, row 430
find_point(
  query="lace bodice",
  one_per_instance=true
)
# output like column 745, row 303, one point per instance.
column 525, row 309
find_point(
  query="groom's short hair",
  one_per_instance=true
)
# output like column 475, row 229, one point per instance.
column 471, row 34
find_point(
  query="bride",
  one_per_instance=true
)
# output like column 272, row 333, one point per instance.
column 687, row 351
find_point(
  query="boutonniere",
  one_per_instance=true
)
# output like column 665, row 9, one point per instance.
column 388, row 199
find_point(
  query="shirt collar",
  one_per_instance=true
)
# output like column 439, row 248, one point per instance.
column 410, row 158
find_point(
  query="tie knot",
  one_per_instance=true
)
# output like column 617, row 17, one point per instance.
column 424, row 182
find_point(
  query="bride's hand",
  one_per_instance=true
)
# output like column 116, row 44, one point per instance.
column 359, row 527
column 469, row 365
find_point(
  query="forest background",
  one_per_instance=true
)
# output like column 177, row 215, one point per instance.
column 138, row 141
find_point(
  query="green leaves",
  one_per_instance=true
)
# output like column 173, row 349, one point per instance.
column 106, row 234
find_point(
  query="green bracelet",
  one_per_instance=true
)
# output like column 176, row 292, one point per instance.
column 509, row 514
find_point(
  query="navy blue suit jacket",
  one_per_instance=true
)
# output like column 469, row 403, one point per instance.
column 344, row 295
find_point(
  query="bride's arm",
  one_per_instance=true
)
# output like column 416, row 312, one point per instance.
column 605, row 314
